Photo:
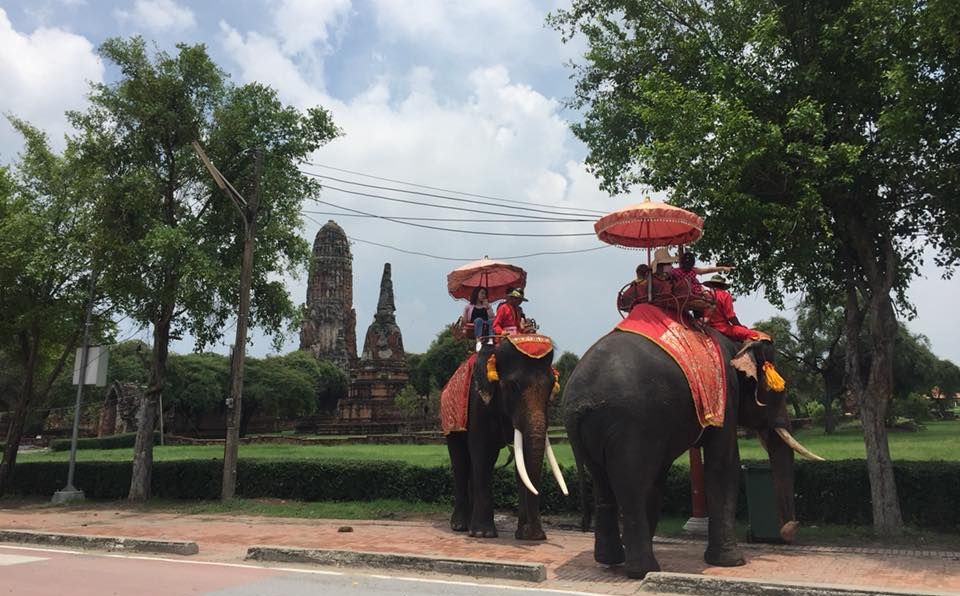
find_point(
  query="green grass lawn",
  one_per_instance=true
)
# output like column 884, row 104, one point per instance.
column 940, row 441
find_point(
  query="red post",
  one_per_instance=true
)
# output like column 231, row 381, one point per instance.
column 697, row 524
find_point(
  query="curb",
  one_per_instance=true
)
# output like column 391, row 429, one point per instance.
column 531, row 572
column 111, row 543
column 686, row 583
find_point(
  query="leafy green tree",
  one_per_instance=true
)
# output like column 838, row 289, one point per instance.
column 169, row 240
column 44, row 275
column 289, row 386
column 439, row 362
column 195, row 385
column 564, row 365
column 819, row 138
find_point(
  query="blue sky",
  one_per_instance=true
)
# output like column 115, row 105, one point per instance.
column 459, row 95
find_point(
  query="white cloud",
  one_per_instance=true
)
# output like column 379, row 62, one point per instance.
column 303, row 23
column 44, row 73
column 158, row 16
column 486, row 29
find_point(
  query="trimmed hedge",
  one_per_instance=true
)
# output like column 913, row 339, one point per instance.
column 111, row 442
column 827, row 492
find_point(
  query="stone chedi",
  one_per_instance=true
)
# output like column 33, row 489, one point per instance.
column 329, row 328
column 381, row 372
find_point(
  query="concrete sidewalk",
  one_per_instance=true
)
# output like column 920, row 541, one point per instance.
column 567, row 555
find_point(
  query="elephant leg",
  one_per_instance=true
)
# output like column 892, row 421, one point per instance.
column 655, row 502
column 460, row 461
column 607, row 546
column 634, row 489
column 721, row 465
column 483, row 459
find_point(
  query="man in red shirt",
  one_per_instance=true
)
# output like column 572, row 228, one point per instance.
column 722, row 316
column 509, row 317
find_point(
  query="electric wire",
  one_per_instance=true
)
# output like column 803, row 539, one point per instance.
column 447, row 207
column 462, row 259
column 459, row 192
column 579, row 213
column 445, row 219
column 442, row 229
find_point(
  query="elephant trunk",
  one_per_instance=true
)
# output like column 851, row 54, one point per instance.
column 781, row 463
column 529, row 445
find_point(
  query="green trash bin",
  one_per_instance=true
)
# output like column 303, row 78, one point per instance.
column 761, row 503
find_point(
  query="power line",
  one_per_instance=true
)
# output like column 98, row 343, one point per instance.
column 462, row 259
column 525, row 206
column 442, row 229
column 459, row 192
column 447, row 207
column 446, row 219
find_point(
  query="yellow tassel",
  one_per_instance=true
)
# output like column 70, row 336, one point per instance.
column 492, row 375
column 774, row 381
column 556, row 382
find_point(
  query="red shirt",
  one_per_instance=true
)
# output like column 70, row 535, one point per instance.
column 506, row 319
column 722, row 311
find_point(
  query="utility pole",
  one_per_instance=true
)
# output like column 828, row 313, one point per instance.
column 248, row 212
column 69, row 492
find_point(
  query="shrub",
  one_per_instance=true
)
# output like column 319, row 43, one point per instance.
column 111, row 442
column 835, row 492
column 914, row 406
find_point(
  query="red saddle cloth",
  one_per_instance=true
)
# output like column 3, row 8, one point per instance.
column 696, row 352
column 454, row 398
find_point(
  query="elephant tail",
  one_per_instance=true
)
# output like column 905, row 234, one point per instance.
column 586, row 501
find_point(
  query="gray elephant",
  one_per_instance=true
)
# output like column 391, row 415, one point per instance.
column 629, row 414
column 508, row 403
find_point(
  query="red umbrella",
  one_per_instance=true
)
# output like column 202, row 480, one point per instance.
column 648, row 224
column 496, row 276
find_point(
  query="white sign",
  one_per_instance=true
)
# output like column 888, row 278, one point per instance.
column 97, row 359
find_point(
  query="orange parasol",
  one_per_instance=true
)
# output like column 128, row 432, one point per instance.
column 496, row 276
column 649, row 224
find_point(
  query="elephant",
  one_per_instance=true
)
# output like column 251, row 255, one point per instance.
column 629, row 414
column 513, row 410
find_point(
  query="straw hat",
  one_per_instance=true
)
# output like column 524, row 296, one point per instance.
column 662, row 256
column 717, row 281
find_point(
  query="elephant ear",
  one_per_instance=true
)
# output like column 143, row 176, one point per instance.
column 745, row 361
column 481, row 378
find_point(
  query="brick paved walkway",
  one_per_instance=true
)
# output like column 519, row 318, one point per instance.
column 568, row 555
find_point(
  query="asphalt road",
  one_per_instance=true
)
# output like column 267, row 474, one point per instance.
column 29, row 571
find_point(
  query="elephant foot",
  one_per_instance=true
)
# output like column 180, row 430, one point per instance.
column 724, row 557
column 640, row 571
column 458, row 522
column 530, row 532
column 483, row 533
column 608, row 551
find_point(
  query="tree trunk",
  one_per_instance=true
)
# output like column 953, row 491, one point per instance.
column 14, row 435
column 30, row 350
column 887, row 518
column 829, row 419
column 147, row 415
column 869, row 309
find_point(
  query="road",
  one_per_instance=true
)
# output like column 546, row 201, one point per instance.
column 29, row 571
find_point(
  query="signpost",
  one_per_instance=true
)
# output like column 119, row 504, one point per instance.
column 90, row 368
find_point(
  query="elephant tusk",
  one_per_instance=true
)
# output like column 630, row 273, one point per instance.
column 521, row 464
column 556, row 469
column 795, row 445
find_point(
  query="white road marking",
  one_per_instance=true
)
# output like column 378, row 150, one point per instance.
column 476, row 585
column 18, row 559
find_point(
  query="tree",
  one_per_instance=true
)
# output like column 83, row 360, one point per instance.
column 44, row 275
column 813, row 350
column 819, row 139
column 168, row 238
column 564, row 365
